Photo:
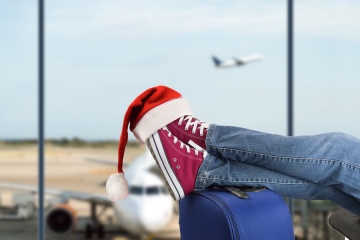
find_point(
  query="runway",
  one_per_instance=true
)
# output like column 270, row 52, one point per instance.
column 66, row 169
column 20, row 230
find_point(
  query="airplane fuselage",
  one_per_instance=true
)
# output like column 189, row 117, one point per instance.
column 236, row 61
column 140, row 217
column 228, row 64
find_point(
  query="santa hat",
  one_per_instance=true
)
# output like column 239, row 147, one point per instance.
column 150, row 111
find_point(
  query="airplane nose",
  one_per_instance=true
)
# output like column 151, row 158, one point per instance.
column 153, row 220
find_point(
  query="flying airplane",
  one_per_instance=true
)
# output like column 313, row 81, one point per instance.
column 235, row 61
column 147, row 210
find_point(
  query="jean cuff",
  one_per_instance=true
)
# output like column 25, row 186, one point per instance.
column 210, row 136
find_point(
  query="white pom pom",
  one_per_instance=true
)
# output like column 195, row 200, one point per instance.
column 117, row 187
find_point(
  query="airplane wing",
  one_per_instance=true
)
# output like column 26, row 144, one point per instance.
column 248, row 59
column 239, row 61
column 87, row 197
column 107, row 162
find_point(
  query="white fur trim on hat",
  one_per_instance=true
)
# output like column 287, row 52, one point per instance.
column 117, row 187
column 160, row 116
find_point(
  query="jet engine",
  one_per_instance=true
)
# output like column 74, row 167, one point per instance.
column 60, row 220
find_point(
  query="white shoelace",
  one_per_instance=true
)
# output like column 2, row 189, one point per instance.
column 182, row 145
column 195, row 123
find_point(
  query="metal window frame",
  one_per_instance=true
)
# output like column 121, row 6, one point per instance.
column 290, row 79
column 41, row 100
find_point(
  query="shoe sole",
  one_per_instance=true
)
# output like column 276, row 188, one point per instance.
column 155, row 146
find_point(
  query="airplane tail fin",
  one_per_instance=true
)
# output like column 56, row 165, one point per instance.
column 217, row 61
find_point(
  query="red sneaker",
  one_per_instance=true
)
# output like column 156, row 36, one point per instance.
column 190, row 130
column 178, row 162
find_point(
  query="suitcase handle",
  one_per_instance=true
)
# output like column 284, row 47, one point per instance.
column 241, row 192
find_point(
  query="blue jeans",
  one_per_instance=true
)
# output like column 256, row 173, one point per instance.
column 325, row 166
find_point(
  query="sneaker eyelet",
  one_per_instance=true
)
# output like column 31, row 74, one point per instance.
column 179, row 123
column 186, row 128
column 193, row 132
column 174, row 159
column 201, row 134
column 178, row 166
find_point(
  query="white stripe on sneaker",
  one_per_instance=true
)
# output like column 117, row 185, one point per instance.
column 194, row 145
column 161, row 158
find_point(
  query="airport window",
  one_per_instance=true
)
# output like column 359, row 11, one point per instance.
column 18, row 115
column 327, row 55
column 101, row 54
column 326, row 77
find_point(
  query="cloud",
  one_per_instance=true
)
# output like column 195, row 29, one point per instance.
column 140, row 19
column 127, row 20
column 191, row 20
column 328, row 18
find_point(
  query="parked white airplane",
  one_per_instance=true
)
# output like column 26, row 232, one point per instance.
column 236, row 61
column 147, row 209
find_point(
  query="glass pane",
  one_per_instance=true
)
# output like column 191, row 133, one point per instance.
column 18, row 118
column 326, row 83
column 102, row 54
column 327, row 74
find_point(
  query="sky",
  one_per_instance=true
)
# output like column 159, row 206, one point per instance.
column 101, row 54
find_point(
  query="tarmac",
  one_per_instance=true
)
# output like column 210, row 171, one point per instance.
column 65, row 169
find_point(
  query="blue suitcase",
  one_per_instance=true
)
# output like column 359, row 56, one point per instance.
column 220, row 215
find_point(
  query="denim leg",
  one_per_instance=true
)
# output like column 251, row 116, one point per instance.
column 222, row 172
column 331, row 159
